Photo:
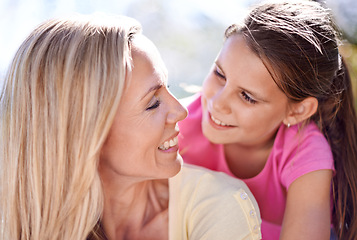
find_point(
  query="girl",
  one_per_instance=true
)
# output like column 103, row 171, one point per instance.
column 277, row 111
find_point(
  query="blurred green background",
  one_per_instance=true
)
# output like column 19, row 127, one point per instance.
column 349, row 52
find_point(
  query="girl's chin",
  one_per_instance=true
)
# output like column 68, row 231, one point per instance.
column 213, row 135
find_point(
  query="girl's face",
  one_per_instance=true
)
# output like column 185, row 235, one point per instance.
column 241, row 102
column 142, row 142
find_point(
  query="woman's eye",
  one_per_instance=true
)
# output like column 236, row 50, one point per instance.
column 219, row 74
column 248, row 98
column 155, row 105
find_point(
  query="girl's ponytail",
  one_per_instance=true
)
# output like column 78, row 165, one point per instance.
column 298, row 42
column 338, row 122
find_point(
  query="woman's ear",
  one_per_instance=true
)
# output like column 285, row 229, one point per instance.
column 301, row 111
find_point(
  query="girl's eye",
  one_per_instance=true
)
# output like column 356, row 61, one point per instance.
column 155, row 105
column 218, row 73
column 248, row 98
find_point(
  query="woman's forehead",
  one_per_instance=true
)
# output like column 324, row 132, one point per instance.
column 143, row 48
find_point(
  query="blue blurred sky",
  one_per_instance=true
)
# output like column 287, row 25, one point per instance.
column 188, row 33
column 179, row 18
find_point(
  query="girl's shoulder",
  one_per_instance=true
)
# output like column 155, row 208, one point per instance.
column 298, row 134
column 298, row 151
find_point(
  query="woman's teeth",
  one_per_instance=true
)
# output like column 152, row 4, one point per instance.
column 218, row 122
column 169, row 143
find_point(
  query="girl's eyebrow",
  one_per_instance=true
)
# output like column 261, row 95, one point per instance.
column 253, row 93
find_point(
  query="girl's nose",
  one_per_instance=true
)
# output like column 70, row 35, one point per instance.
column 220, row 102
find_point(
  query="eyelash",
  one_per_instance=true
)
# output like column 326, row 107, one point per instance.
column 219, row 74
column 155, row 105
column 248, row 98
column 245, row 96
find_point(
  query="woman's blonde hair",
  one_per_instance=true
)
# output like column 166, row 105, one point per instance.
column 57, row 105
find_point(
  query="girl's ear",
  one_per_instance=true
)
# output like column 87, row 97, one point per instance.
column 301, row 111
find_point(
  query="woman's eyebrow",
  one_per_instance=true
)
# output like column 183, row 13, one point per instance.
column 153, row 88
column 218, row 66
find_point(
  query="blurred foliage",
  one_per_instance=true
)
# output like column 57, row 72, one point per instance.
column 349, row 53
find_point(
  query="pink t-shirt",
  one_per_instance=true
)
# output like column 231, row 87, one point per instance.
column 293, row 155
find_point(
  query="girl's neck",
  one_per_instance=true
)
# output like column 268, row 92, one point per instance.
column 247, row 161
column 128, row 208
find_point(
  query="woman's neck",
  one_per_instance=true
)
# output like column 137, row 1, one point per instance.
column 130, row 207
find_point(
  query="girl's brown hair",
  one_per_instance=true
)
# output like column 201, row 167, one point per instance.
column 298, row 43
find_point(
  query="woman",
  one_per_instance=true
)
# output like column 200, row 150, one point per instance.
column 89, row 142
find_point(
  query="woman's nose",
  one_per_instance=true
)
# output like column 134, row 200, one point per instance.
column 177, row 112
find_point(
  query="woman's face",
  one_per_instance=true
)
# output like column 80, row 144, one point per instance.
column 241, row 102
column 142, row 142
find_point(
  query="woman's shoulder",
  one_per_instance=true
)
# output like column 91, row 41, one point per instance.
column 210, row 177
column 207, row 196
column 208, row 184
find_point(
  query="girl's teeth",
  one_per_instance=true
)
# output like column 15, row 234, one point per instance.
column 218, row 122
column 168, row 144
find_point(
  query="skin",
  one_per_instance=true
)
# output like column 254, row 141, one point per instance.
column 243, row 97
column 247, row 108
column 133, row 168
column 247, row 100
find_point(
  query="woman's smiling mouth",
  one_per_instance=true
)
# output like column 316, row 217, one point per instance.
column 169, row 143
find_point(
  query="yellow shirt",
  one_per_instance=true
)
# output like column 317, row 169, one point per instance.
column 208, row 205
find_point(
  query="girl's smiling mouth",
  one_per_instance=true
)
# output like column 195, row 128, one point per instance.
column 218, row 122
